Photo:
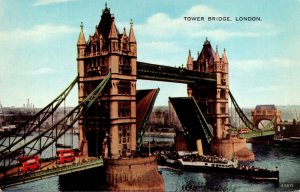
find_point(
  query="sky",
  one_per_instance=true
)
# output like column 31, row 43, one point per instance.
column 38, row 45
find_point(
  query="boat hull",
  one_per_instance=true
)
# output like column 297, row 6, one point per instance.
column 258, row 174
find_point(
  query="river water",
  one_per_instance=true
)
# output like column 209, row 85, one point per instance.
column 267, row 156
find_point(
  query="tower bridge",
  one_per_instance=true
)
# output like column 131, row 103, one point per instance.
column 112, row 114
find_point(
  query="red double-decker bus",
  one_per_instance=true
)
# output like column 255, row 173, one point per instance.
column 30, row 163
column 65, row 156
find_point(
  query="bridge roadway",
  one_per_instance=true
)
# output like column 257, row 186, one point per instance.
column 155, row 72
column 48, row 169
column 254, row 134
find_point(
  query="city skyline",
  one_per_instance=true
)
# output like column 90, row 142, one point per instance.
column 38, row 45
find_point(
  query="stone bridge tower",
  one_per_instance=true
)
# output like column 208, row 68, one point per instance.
column 106, row 51
column 109, row 126
column 212, row 98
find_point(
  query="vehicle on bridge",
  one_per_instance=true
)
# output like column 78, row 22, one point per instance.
column 243, row 130
column 31, row 164
column 65, row 156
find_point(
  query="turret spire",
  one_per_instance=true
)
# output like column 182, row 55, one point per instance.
column 189, row 63
column 217, row 57
column 113, row 34
column 124, row 31
column 81, row 39
column 131, row 33
column 224, row 57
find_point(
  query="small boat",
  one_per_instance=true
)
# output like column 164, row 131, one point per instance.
column 191, row 161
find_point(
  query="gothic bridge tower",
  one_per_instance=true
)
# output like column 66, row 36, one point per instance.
column 114, row 113
column 109, row 127
column 212, row 98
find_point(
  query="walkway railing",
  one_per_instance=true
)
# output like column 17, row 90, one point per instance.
column 172, row 74
column 59, row 170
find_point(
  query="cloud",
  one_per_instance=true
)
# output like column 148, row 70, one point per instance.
column 47, row 2
column 37, row 33
column 259, row 64
column 160, row 47
column 220, row 34
column 41, row 71
column 162, row 26
column 1, row 8
column 263, row 89
column 202, row 10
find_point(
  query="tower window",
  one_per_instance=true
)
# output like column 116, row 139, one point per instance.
column 124, row 87
column 223, row 108
column 124, row 140
column 223, row 94
column 125, row 66
column 124, row 108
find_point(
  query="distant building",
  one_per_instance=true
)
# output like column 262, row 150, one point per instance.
column 1, row 115
column 164, row 116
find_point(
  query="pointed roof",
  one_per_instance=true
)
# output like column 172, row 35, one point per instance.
column 124, row 35
column 217, row 57
column 190, row 60
column 106, row 23
column 207, row 53
column 96, row 34
column 224, row 57
column 81, row 39
column 113, row 33
column 131, row 33
column 265, row 107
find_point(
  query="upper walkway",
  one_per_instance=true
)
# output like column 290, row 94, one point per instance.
column 171, row 74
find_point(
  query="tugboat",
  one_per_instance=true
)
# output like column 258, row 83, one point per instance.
column 192, row 161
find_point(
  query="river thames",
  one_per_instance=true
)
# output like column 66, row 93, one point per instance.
column 267, row 156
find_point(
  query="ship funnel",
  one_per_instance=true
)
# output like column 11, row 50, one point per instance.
column 199, row 147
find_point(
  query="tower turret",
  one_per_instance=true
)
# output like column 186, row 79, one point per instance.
column 217, row 57
column 81, row 47
column 189, row 63
column 224, row 57
column 132, row 41
column 113, row 37
column 124, row 41
column 81, row 44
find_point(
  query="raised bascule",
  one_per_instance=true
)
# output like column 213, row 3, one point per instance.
column 112, row 115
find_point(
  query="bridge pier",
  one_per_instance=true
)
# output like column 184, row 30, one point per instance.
column 133, row 174
column 232, row 147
